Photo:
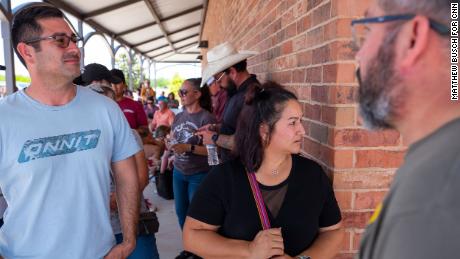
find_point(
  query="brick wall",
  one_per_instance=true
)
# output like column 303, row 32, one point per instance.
column 304, row 44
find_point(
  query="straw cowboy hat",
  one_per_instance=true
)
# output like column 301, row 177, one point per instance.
column 222, row 57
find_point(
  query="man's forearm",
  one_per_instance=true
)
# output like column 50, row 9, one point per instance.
column 127, row 192
column 226, row 141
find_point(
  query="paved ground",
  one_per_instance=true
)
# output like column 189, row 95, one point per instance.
column 169, row 241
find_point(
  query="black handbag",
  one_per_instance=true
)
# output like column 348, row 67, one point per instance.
column 164, row 184
column 148, row 223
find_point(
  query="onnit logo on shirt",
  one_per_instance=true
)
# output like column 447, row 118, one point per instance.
column 59, row 145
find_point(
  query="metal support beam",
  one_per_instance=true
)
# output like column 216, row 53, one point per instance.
column 155, row 84
column 157, row 19
column 130, row 70
column 8, row 50
column 82, row 49
column 112, row 48
column 109, row 9
column 175, row 42
column 178, row 50
column 169, row 34
column 191, row 10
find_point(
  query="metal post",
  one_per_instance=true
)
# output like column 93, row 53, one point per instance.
column 150, row 66
column 155, row 75
column 112, row 49
column 130, row 70
column 82, row 49
column 8, row 49
column 142, row 59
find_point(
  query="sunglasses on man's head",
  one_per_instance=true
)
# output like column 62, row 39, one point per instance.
column 61, row 40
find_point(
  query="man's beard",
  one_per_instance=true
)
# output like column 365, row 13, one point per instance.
column 231, row 87
column 377, row 100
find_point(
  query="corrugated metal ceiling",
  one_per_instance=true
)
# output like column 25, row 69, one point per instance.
column 162, row 30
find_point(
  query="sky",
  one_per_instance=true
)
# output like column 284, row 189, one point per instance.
column 97, row 51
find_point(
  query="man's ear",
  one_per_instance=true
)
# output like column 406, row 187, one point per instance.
column 26, row 52
column 414, row 41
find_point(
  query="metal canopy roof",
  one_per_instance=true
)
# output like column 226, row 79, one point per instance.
column 161, row 30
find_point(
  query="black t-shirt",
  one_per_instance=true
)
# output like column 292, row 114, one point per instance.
column 225, row 199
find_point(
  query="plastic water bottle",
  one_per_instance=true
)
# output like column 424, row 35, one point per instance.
column 213, row 158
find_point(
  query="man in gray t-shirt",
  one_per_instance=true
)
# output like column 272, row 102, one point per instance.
column 404, row 78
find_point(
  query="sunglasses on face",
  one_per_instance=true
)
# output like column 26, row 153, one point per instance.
column 61, row 40
column 183, row 92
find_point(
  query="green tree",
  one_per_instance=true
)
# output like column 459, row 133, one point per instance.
column 176, row 83
column 162, row 82
column 122, row 62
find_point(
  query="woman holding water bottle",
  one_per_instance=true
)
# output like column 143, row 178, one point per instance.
column 190, row 158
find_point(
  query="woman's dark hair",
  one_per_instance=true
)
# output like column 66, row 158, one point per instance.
column 263, row 106
column 205, row 98
column 173, row 96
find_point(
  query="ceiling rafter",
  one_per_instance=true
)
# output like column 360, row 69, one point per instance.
column 160, row 25
column 174, row 42
column 176, row 51
column 109, row 9
column 169, row 34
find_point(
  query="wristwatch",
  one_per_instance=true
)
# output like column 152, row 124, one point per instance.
column 214, row 138
column 303, row 257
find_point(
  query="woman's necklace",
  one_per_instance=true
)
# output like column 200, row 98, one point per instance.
column 276, row 171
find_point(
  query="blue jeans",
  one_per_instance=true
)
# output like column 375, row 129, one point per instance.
column 184, row 186
column 146, row 247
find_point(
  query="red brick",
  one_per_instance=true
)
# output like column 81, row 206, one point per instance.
column 321, row 55
column 343, row 94
column 298, row 76
column 314, row 75
column 338, row 116
column 364, row 138
column 311, row 147
column 282, row 77
column 339, row 28
column 321, row 14
column 341, row 50
column 286, row 48
column 312, row 112
column 349, row 7
column 378, row 158
column 356, row 240
column 343, row 199
column 363, row 180
column 298, row 43
column 355, row 219
column 368, row 200
column 304, row 58
column 303, row 24
column 313, row 3
column 319, row 93
column 339, row 73
column 343, row 159
column 346, row 242
column 315, row 37
column 305, row 93
column 345, row 256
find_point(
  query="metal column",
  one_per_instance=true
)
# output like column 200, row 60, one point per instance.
column 82, row 49
column 7, row 47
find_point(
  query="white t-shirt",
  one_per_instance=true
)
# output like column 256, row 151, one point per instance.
column 54, row 174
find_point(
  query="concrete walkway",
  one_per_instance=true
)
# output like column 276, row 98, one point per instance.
column 169, row 237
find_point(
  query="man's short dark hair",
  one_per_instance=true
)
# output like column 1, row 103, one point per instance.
column 239, row 67
column 118, row 73
column 25, row 26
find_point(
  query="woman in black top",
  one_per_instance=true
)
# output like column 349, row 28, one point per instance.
column 223, row 219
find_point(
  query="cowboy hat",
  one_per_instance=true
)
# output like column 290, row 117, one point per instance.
column 222, row 57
